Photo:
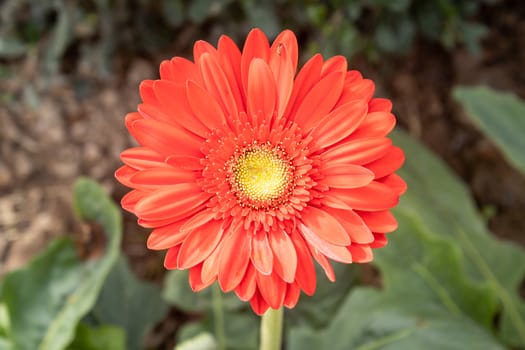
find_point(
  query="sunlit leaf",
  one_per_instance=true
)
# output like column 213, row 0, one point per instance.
column 439, row 203
column 98, row 338
column 46, row 299
column 500, row 116
column 134, row 305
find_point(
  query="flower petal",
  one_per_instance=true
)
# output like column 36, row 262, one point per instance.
column 374, row 197
column 283, row 63
column 376, row 124
column 246, row 289
column 272, row 289
column 379, row 105
column 360, row 151
column 354, row 226
column 170, row 260
column 339, row 123
column 379, row 221
column 323, row 262
column 305, row 275
column 194, row 278
column 205, row 107
column 390, row 162
column 217, row 84
column 258, row 304
column 164, row 138
column 210, row 266
column 285, row 256
column 262, row 256
column 346, row 176
column 380, row 241
column 166, row 236
column 320, row 100
column 142, row 158
column 199, row 244
column 334, row 252
column 362, row 253
column 292, row 295
column 124, row 173
column 159, row 177
column 261, row 88
column 174, row 201
column 230, row 60
column 235, row 255
column 255, row 46
column 324, row 226
column 395, row 183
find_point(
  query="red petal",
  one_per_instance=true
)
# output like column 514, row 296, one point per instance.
column 258, row 304
column 374, row 197
column 379, row 221
column 124, row 173
column 305, row 275
column 198, row 220
column 164, row 138
column 235, row 254
column 339, row 123
column 390, row 162
column 324, row 227
column 230, row 58
column 379, row 105
column 285, row 256
column 199, row 244
column 376, row 124
column 334, row 64
column 179, row 69
column 175, row 104
column 217, row 84
column 261, row 88
column 306, row 79
column 380, row 241
column 210, row 267
column 200, row 48
column 256, row 46
column 283, row 64
column 272, row 289
column 362, row 90
column 339, row 175
column 320, row 100
column 361, row 253
column 166, row 236
column 353, row 224
column 131, row 198
column 323, row 262
column 360, row 151
column 205, row 107
column 175, row 201
column 142, row 158
column 146, row 92
column 185, row 162
column 334, row 252
column 196, row 283
column 287, row 39
column 160, row 177
column 292, row 295
column 246, row 289
column 395, row 183
column 262, row 256
column 170, row 260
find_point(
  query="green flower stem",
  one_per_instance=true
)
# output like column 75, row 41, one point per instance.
column 218, row 315
column 271, row 329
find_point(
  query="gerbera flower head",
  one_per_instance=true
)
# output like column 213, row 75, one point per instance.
column 248, row 172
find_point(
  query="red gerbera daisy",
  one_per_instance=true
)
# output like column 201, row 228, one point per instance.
column 248, row 172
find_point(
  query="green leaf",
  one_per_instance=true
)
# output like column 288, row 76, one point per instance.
column 202, row 341
column 178, row 292
column 125, row 301
column 500, row 116
column 428, row 302
column 439, row 203
column 316, row 311
column 46, row 299
column 98, row 338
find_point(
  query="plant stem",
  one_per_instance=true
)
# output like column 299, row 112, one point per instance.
column 218, row 315
column 271, row 329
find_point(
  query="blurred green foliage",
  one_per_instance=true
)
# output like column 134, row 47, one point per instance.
column 91, row 32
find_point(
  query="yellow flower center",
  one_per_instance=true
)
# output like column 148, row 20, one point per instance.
column 261, row 176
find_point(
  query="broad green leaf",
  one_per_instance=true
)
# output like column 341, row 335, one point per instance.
column 177, row 292
column 427, row 303
column 202, row 341
column 125, row 301
column 317, row 310
column 500, row 116
column 46, row 299
column 439, row 203
column 98, row 338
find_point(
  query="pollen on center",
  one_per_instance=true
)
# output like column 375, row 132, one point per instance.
column 262, row 177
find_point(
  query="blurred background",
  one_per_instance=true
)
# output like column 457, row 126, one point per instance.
column 70, row 70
